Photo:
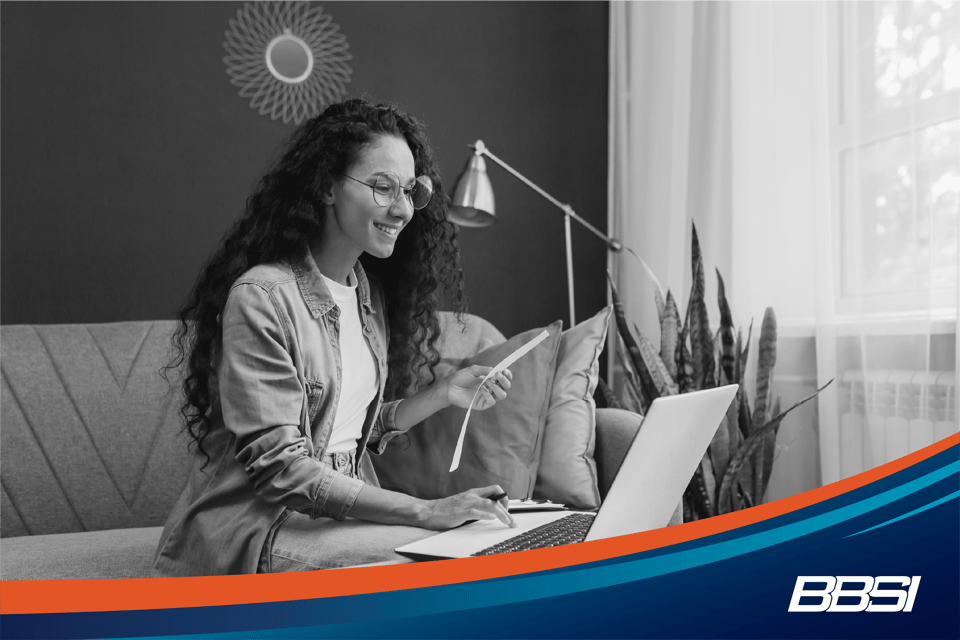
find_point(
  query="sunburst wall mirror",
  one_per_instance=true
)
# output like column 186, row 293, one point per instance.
column 288, row 58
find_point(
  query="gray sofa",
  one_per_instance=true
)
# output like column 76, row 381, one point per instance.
column 92, row 455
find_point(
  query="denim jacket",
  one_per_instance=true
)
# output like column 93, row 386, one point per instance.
column 274, row 400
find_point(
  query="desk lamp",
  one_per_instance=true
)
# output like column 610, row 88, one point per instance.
column 473, row 206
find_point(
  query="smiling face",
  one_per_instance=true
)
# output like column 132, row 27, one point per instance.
column 354, row 223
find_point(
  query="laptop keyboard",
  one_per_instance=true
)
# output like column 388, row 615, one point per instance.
column 566, row 530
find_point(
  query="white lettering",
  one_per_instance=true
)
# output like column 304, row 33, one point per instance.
column 837, row 587
column 800, row 591
column 899, row 594
column 840, row 592
column 914, row 585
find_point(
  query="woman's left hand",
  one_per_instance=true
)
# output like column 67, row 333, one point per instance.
column 462, row 385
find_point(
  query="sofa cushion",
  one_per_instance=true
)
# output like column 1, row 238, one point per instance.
column 502, row 444
column 116, row 553
column 568, row 473
column 129, row 553
column 90, row 429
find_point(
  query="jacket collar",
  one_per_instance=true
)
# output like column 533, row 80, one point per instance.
column 314, row 290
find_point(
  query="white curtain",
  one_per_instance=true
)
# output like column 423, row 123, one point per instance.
column 888, row 328
column 669, row 147
column 743, row 117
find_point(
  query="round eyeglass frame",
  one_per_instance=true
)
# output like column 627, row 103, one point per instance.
column 423, row 181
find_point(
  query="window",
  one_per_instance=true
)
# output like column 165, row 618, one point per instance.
column 895, row 147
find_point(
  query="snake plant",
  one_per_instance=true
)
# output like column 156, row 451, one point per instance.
column 736, row 468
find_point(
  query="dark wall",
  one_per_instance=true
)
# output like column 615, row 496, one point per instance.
column 126, row 153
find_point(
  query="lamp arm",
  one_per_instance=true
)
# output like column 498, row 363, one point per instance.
column 480, row 149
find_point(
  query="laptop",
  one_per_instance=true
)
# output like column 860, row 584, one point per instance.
column 662, row 458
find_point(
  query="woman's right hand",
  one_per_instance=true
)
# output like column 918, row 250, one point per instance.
column 474, row 504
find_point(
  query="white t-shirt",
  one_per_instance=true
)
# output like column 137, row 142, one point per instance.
column 358, row 385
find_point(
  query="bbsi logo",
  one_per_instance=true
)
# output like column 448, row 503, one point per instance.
column 864, row 588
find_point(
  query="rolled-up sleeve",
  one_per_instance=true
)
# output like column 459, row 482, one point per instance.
column 262, row 400
column 384, row 428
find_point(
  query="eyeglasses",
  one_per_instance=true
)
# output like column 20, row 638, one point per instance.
column 386, row 190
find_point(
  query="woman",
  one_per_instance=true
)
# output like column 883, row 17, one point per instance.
column 319, row 304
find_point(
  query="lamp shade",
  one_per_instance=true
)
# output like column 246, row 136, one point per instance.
column 472, row 202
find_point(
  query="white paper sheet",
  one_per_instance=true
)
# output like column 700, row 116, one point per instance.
column 506, row 362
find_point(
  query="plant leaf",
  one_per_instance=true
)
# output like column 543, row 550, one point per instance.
column 718, row 374
column 697, row 494
column 687, row 511
column 738, row 362
column 746, row 347
column 669, row 336
column 608, row 396
column 657, row 288
column 649, row 389
column 744, row 479
column 768, row 448
column 701, row 337
column 749, row 445
column 719, row 451
column 633, row 398
column 709, row 482
column 684, row 361
column 745, row 496
column 658, row 370
column 746, row 424
column 734, row 497
column 734, row 439
column 733, row 427
column 720, row 443
column 661, row 305
column 727, row 355
column 766, row 360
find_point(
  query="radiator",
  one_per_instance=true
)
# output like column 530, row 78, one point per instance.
column 885, row 415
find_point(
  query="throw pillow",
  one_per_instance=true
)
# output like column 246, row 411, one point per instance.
column 502, row 444
column 568, row 473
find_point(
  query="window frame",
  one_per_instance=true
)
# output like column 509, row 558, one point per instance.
column 941, row 302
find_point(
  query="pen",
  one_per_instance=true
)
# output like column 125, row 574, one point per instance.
column 497, row 498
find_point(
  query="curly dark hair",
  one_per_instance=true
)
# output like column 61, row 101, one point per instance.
column 284, row 214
